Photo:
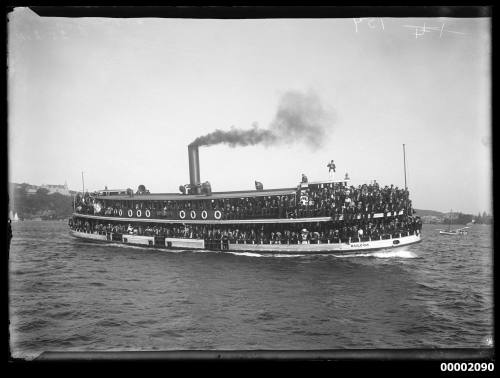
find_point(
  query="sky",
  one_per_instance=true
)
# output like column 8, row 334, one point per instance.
column 121, row 99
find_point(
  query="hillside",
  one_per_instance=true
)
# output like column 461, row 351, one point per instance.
column 422, row 213
column 40, row 204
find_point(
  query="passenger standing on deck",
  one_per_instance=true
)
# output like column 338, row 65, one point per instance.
column 331, row 169
column 360, row 234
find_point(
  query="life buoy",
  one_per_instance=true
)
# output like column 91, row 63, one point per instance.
column 148, row 213
column 120, row 212
column 130, row 213
column 193, row 214
column 217, row 214
column 182, row 214
column 139, row 213
column 204, row 214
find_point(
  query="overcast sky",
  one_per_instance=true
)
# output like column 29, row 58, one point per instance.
column 120, row 99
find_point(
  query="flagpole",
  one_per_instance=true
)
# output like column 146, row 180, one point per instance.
column 404, row 163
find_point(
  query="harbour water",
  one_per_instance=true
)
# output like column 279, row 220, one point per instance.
column 71, row 295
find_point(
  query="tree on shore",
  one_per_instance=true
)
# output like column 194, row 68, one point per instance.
column 484, row 218
column 40, row 204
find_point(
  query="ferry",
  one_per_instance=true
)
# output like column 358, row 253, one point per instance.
column 322, row 217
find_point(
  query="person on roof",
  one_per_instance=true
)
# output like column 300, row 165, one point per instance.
column 331, row 169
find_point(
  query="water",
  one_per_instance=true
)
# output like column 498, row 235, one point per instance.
column 70, row 295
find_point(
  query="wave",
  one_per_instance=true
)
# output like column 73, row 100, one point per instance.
column 249, row 254
column 384, row 254
column 401, row 254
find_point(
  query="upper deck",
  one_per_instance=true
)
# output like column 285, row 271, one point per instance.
column 191, row 197
column 121, row 194
column 320, row 199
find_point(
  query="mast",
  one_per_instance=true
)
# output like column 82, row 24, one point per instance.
column 404, row 163
column 83, row 185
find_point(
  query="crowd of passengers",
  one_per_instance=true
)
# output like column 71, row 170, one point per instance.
column 329, row 199
column 363, row 199
column 318, row 232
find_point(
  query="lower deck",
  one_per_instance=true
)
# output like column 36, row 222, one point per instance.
column 226, row 245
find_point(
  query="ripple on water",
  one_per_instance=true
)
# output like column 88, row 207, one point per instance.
column 109, row 323
column 33, row 324
column 167, row 333
column 98, row 284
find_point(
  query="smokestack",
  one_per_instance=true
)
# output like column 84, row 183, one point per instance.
column 194, row 168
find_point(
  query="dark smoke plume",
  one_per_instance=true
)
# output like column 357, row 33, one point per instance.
column 300, row 118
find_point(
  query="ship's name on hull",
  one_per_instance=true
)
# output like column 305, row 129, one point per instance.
column 360, row 245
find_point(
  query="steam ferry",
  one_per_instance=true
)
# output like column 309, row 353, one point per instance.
column 298, row 220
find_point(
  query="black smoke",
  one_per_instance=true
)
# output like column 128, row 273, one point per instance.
column 300, row 118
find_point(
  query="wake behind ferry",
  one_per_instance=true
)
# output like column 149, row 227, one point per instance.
column 328, row 216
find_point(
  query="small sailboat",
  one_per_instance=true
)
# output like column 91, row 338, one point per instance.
column 458, row 231
column 13, row 217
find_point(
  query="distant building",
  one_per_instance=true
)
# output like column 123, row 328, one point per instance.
column 61, row 189
column 452, row 216
column 32, row 189
column 431, row 219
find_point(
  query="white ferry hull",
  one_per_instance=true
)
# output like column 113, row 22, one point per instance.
column 199, row 244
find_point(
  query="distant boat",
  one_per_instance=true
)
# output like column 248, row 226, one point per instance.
column 458, row 231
